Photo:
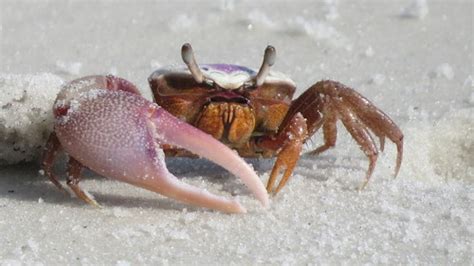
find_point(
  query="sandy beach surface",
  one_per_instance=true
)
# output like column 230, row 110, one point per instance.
column 412, row 58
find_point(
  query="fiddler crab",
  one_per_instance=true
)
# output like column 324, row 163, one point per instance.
column 216, row 111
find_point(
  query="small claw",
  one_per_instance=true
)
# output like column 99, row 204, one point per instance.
column 280, row 165
column 290, row 152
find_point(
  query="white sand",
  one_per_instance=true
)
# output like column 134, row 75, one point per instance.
column 412, row 58
column 26, row 116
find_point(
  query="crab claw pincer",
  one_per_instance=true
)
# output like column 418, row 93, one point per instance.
column 106, row 125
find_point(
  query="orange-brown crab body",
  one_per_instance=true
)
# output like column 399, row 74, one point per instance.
column 254, row 112
column 236, row 117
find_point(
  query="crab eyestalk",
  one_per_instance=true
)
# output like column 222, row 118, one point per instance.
column 188, row 57
column 268, row 61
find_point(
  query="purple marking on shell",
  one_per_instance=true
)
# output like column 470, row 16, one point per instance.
column 227, row 68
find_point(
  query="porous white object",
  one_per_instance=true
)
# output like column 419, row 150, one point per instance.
column 26, row 117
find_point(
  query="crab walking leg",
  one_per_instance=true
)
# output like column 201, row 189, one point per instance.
column 293, row 137
column 328, row 101
column 74, row 169
column 377, row 121
column 53, row 146
column 181, row 134
column 362, row 136
column 329, row 132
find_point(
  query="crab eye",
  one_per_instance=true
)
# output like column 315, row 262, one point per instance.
column 210, row 83
column 248, row 86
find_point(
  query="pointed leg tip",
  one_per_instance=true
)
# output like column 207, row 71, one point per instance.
column 85, row 196
column 269, row 187
column 56, row 183
column 62, row 189
column 95, row 204
column 281, row 185
column 363, row 186
column 397, row 171
column 265, row 201
column 269, row 190
column 397, row 167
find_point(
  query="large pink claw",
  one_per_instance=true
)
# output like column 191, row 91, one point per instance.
column 106, row 125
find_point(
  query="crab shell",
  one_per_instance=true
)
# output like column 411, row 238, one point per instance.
column 226, row 76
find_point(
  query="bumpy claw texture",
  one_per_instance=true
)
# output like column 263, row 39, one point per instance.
column 104, row 124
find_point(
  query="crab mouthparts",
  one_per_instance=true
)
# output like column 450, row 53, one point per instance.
column 228, row 96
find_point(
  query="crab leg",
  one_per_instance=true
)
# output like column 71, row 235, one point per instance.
column 293, row 137
column 74, row 177
column 362, row 136
column 327, row 101
column 112, row 130
column 53, row 146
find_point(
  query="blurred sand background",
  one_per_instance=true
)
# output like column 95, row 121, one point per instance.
column 412, row 58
